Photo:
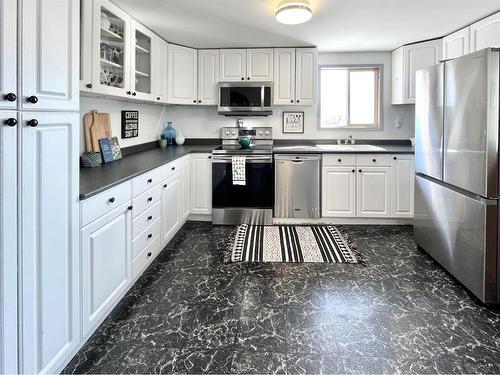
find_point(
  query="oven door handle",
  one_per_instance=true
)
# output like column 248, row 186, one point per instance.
column 249, row 159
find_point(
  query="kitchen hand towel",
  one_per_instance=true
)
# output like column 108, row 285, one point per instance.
column 239, row 170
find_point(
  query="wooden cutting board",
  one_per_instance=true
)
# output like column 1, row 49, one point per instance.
column 100, row 128
column 87, row 124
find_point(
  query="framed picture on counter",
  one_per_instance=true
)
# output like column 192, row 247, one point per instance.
column 293, row 122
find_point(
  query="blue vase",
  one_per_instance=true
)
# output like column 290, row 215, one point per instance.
column 169, row 131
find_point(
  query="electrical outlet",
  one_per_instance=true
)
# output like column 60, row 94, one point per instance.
column 398, row 122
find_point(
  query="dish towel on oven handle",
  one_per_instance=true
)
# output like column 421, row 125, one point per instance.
column 239, row 170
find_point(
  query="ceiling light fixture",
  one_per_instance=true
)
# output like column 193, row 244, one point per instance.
column 293, row 12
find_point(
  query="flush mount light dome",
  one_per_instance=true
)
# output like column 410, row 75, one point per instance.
column 293, row 12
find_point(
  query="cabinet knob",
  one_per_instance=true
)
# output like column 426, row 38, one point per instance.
column 340, row 160
column 158, row 98
column 150, row 254
column 129, row 92
column 374, row 160
column 134, row 94
column 353, row 171
column 10, row 122
column 111, row 200
column 210, row 157
column 150, row 218
column 150, row 235
column 360, row 171
column 291, row 101
column 165, row 186
column 173, row 168
column 395, row 158
column 150, row 180
column 89, row 86
column 199, row 101
column 32, row 99
column 248, row 78
column 10, row 97
column 242, row 78
column 194, row 101
column 130, row 208
column 150, row 199
column 298, row 101
column 33, row 123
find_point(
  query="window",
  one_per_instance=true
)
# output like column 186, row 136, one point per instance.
column 349, row 97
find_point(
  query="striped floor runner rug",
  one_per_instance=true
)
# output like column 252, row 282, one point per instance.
column 297, row 244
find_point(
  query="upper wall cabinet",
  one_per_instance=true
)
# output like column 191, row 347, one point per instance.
column 295, row 75
column 142, row 62
column 260, row 65
column 8, row 57
column 208, row 76
column 246, row 65
column 160, row 83
column 406, row 61
column 111, row 46
column 456, row 44
column 49, row 51
column 233, row 65
column 182, row 75
column 485, row 33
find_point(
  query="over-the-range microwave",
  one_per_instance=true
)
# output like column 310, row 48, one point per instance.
column 245, row 98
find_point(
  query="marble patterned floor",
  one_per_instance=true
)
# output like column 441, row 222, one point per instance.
column 190, row 313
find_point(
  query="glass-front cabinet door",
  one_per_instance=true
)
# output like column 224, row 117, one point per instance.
column 142, row 62
column 111, row 55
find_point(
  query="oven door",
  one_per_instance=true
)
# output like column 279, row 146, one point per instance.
column 258, row 191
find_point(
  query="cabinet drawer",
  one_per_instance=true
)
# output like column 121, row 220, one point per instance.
column 95, row 207
column 339, row 159
column 145, row 219
column 146, row 257
column 146, row 200
column 145, row 238
column 145, row 181
column 375, row 160
column 168, row 170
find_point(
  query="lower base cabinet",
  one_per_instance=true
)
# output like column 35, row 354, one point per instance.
column 106, row 264
column 339, row 183
column 403, row 185
column 374, row 192
column 171, row 207
column 201, row 184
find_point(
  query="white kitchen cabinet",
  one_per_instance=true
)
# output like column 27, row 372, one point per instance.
column 485, row 33
column 106, row 265
column 208, row 76
column 182, row 69
column 8, row 54
column 339, row 191
column 201, row 184
column 86, row 34
column 48, row 234
column 49, row 48
column 284, row 76
column 171, row 207
column 233, row 65
column 306, row 75
column 373, row 195
column 295, row 76
column 402, row 185
column 142, row 62
column 406, row 61
column 111, row 50
column 8, row 242
column 456, row 44
column 160, row 81
column 185, row 171
column 260, row 65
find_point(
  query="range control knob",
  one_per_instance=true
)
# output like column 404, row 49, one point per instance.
column 233, row 132
column 227, row 132
column 261, row 132
column 267, row 132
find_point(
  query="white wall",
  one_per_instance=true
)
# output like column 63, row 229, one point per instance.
column 151, row 118
column 204, row 122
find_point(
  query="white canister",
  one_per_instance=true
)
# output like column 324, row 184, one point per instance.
column 179, row 139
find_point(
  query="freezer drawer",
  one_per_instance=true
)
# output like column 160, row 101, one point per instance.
column 297, row 191
column 461, row 234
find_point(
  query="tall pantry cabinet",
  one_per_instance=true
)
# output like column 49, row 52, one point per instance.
column 39, row 146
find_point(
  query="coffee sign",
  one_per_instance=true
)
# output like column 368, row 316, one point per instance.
column 130, row 124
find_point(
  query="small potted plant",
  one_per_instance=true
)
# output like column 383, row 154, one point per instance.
column 163, row 140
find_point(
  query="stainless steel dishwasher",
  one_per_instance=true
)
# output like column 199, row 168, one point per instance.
column 297, row 186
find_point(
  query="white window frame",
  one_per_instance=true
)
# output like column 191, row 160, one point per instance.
column 378, row 96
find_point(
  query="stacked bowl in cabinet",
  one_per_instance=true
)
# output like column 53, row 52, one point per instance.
column 146, row 220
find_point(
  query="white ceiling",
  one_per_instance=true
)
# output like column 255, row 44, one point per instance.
column 337, row 25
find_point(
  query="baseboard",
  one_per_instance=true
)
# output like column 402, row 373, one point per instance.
column 197, row 217
column 345, row 221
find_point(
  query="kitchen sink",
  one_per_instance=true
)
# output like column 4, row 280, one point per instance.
column 350, row 148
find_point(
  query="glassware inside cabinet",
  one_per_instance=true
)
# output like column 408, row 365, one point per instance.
column 112, row 45
column 142, row 63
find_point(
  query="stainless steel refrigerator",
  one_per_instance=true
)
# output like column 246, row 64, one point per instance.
column 457, row 169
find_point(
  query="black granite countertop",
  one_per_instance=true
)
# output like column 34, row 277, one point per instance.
column 96, row 180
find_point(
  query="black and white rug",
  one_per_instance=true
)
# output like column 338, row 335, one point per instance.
column 296, row 244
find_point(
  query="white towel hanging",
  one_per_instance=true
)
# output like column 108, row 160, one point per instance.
column 239, row 172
